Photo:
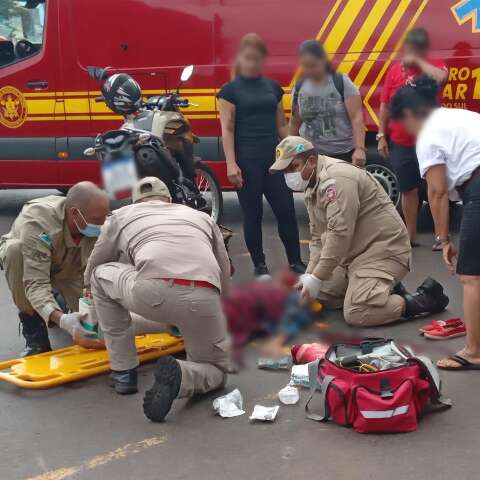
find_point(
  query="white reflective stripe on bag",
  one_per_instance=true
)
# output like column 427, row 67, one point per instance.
column 384, row 413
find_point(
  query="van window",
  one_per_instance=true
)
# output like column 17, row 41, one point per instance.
column 21, row 29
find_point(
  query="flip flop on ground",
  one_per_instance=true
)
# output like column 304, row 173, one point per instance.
column 463, row 364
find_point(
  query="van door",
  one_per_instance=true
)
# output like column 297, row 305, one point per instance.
column 28, row 57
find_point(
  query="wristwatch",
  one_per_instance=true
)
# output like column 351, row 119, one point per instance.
column 443, row 240
column 379, row 136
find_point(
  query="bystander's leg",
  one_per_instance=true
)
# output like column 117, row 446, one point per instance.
column 471, row 312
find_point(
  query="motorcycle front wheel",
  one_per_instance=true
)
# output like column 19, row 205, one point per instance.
column 210, row 190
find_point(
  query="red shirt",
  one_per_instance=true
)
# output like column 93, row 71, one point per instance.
column 397, row 77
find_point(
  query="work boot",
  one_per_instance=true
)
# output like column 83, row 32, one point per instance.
column 124, row 382
column 298, row 267
column 429, row 298
column 261, row 270
column 399, row 289
column 35, row 332
column 158, row 400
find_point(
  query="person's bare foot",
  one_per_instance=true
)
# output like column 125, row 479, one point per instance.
column 452, row 364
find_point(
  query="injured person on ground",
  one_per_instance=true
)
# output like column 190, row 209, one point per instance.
column 360, row 249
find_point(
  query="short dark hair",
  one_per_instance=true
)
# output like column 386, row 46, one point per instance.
column 420, row 95
column 305, row 155
column 418, row 38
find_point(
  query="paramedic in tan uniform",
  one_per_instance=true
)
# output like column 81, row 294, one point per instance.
column 356, row 233
column 179, row 266
column 48, row 247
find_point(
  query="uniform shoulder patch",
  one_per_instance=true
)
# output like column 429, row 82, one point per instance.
column 45, row 238
column 329, row 190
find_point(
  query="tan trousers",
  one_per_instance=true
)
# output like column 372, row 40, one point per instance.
column 11, row 258
column 197, row 312
column 367, row 291
column 332, row 292
column 369, row 300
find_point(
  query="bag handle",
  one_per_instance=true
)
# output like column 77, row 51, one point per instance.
column 323, row 414
column 438, row 401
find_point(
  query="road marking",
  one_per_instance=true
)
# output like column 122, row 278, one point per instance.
column 102, row 459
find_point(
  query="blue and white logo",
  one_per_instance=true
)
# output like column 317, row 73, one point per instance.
column 300, row 148
column 466, row 10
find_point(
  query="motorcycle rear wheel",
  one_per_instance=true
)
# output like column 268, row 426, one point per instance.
column 210, row 189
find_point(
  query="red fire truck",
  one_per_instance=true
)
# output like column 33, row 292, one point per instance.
column 48, row 113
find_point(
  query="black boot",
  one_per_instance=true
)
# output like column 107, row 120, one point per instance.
column 429, row 298
column 298, row 267
column 157, row 401
column 399, row 289
column 35, row 332
column 124, row 382
column 261, row 270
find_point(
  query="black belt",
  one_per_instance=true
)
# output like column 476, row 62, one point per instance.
column 461, row 189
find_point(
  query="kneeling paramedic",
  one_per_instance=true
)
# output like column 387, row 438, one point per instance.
column 179, row 266
column 47, row 248
column 359, row 242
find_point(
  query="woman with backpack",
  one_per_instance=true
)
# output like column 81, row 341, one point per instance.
column 327, row 107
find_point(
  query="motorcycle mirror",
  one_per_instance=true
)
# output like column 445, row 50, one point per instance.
column 97, row 73
column 89, row 152
column 186, row 73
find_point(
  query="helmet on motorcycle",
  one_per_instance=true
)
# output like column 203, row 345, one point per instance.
column 122, row 93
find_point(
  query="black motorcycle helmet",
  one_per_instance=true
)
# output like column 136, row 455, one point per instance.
column 122, row 93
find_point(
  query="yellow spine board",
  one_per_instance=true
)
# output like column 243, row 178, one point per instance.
column 70, row 364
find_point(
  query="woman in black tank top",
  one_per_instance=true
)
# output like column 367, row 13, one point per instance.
column 252, row 118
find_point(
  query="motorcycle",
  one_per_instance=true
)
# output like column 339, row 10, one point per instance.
column 157, row 140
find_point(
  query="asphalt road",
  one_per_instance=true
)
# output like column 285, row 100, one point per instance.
column 85, row 431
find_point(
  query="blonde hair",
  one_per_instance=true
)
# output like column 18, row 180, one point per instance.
column 250, row 40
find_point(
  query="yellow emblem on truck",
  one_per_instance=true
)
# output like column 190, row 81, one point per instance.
column 13, row 108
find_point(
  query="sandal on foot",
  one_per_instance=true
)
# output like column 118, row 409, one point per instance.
column 463, row 362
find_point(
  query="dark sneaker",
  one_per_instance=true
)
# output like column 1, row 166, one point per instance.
column 429, row 298
column 34, row 330
column 124, row 382
column 157, row 401
column 261, row 270
column 298, row 267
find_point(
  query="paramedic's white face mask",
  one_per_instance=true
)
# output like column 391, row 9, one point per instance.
column 295, row 181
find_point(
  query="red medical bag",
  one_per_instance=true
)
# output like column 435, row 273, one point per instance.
column 386, row 400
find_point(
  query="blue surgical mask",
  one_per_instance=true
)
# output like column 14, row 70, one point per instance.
column 90, row 230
